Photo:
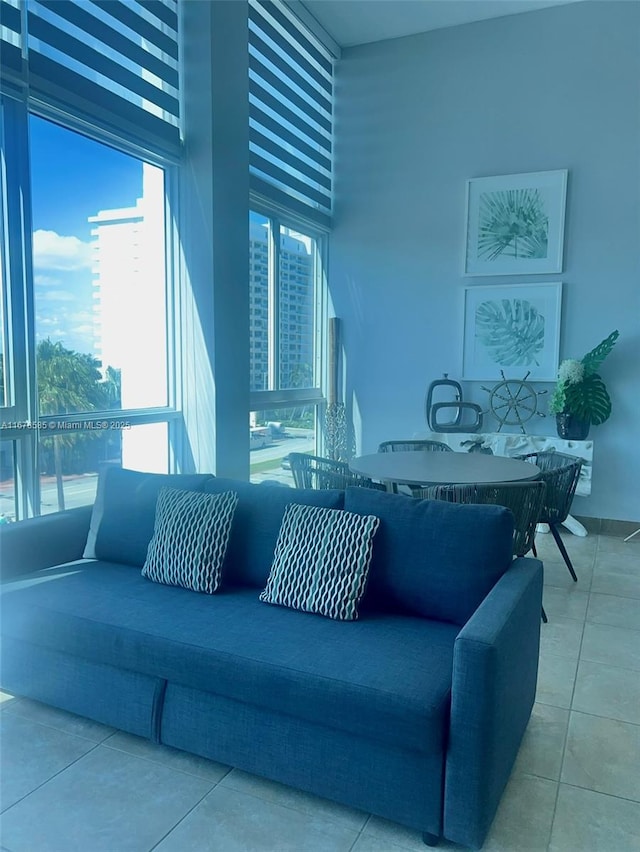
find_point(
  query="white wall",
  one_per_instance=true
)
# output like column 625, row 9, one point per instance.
column 416, row 117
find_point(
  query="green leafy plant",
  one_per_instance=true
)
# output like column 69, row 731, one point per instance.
column 580, row 390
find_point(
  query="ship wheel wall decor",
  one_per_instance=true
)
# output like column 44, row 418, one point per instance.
column 513, row 402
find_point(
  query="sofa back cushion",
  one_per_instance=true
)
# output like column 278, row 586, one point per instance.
column 256, row 525
column 433, row 558
column 124, row 513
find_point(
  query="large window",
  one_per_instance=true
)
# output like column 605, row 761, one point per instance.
column 286, row 300
column 99, row 274
column 90, row 359
column 90, row 135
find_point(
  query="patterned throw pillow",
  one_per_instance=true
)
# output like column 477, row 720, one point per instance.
column 190, row 539
column 321, row 561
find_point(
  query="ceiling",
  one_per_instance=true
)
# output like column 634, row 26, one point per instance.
column 351, row 22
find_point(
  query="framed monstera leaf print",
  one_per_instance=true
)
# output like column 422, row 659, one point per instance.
column 515, row 224
column 512, row 329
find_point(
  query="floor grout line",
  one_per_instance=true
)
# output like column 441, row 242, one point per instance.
column 182, row 819
column 51, row 778
column 16, row 712
column 570, row 710
column 600, row 793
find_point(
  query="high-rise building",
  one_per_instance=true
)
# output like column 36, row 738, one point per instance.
column 296, row 308
column 130, row 311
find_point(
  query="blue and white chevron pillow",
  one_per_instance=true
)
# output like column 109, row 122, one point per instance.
column 321, row 561
column 190, row 539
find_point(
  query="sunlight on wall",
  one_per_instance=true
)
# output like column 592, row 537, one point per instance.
column 198, row 382
column 356, row 419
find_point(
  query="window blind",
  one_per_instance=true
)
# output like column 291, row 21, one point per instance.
column 290, row 111
column 11, row 44
column 113, row 63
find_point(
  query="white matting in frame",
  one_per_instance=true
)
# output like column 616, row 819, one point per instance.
column 513, row 328
column 515, row 224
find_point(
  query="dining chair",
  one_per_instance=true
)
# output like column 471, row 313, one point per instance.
column 524, row 499
column 560, row 472
column 414, row 445
column 311, row 471
column 408, row 446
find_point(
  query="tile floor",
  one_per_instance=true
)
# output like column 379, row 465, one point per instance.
column 70, row 785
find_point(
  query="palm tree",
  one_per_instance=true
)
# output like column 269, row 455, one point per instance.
column 112, row 385
column 68, row 382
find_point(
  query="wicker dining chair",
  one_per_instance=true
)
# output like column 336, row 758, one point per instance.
column 560, row 472
column 320, row 473
column 409, row 446
column 524, row 499
column 414, row 445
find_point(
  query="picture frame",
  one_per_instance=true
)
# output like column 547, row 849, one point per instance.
column 512, row 329
column 515, row 224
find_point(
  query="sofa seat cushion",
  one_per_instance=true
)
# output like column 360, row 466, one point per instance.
column 386, row 677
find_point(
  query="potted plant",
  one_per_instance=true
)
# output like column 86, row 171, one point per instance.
column 580, row 397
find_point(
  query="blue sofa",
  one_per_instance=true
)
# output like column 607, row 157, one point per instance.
column 413, row 712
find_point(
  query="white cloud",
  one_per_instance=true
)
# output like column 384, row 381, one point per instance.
column 53, row 251
column 81, row 317
column 56, row 296
column 47, row 281
column 86, row 330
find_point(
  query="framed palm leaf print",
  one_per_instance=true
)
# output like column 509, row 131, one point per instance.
column 512, row 329
column 515, row 224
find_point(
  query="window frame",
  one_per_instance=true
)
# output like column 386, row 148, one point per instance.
column 21, row 422
column 276, row 397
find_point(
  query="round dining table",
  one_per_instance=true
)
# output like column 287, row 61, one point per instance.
column 428, row 468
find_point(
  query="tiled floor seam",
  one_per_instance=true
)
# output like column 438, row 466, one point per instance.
column 289, row 807
column 566, row 733
column 353, row 845
column 166, row 765
column 599, row 793
column 182, row 819
column 606, row 665
column 609, row 718
column 55, row 774
column 566, row 737
column 57, row 728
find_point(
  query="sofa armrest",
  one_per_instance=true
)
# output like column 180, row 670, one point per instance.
column 44, row 541
column 495, row 669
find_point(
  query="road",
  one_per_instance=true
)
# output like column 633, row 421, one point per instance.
column 81, row 490
column 282, row 446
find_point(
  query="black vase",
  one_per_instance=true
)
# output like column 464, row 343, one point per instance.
column 572, row 428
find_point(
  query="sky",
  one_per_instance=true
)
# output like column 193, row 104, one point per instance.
column 72, row 178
